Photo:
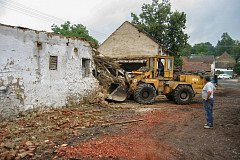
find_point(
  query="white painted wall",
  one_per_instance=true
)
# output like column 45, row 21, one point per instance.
column 25, row 79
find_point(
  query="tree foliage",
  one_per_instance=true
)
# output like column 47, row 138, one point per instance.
column 237, row 68
column 75, row 30
column 231, row 46
column 226, row 43
column 187, row 50
column 164, row 25
column 203, row 49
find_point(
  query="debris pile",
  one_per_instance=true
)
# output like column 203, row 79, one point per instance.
column 99, row 98
column 40, row 133
column 136, row 141
column 143, row 69
column 24, row 150
column 108, row 71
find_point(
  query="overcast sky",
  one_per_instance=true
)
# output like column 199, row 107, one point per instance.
column 206, row 19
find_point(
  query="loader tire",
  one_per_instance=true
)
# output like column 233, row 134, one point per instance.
column 183, row 94
column 145, row 94
column 169, row 97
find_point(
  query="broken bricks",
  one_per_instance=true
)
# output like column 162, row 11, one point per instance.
column 27, row 149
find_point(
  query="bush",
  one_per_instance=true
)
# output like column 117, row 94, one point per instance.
column 237, row 68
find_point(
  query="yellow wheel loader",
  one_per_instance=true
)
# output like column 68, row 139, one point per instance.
column 158, row 79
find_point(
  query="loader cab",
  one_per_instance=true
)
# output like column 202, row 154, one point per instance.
column 161, row 66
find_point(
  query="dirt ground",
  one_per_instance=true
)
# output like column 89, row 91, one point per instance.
column 127, row 131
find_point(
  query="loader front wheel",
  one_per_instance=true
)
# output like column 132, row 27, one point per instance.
column 145, row 94
column 183, row 94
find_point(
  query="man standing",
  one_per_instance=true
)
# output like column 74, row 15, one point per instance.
column 207, row 95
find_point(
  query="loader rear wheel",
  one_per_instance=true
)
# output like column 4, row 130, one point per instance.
column 145, row 94
column 183, row 94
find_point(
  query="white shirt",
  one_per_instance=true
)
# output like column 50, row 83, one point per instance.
column 209, row 87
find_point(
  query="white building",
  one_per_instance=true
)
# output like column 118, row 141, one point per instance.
column 40, row 69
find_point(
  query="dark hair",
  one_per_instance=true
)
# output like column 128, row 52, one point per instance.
column 207, row 78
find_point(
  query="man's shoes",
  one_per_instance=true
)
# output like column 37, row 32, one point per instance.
column 207, row 127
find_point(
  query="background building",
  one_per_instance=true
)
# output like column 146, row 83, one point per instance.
column 225, row 61
column 129, row 45
column 204, row 64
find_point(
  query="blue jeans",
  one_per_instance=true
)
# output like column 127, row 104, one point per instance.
column 208, row 105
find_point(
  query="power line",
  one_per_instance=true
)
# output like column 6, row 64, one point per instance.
column 37, row 14
column 31, row 9
column 26, row 13
column 29, row 12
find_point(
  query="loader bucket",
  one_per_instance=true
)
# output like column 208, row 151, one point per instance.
column 117, row 93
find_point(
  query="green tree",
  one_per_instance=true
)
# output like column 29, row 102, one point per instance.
column 75, row 30
column 229, row 45
column 176, row 37
column 187, row 50
column 235, row 51
column 237, row 68
column 203, row 49
column 164, row 25
column 225, row 44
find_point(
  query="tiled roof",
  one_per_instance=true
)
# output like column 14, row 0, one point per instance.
column 202, row 58
column 224, row 65
column 225, row 61
column 196, row 67
column 225, row 57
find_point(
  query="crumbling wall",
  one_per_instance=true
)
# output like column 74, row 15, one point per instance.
column 29, row 79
